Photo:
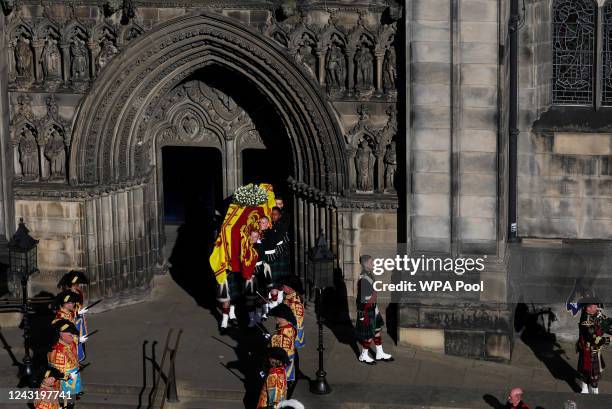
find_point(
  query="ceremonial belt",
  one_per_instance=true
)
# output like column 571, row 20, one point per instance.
column 270, row 251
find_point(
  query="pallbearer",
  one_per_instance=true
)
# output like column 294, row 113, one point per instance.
column 251, row 287
column 369, row 320
column 73, row 281
column 49, row 389
column 284, row 336
column 63, row 357
column 274, row 389
column 594, row 325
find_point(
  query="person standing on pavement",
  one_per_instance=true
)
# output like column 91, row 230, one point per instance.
column 515, row 399
column 592, row 328
column 369, row 324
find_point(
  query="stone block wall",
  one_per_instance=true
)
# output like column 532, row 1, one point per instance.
column 58, row 227
column 565, row 185
column 454, row 126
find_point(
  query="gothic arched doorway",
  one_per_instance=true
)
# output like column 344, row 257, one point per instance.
column 134, row 109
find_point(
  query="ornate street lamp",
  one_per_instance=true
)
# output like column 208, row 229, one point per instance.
column 321, row 275
column 23, row 263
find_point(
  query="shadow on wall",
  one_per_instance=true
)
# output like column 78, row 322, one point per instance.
column 533, row 324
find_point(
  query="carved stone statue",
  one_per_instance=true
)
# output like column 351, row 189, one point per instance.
column 51, row 61
column 390, row 70
column 390, row 161
column 334, row 65
column 55, row 152
column 23, row 59
column 364, row 65
column 28, row 154
column 107, row 52
column 363, row 165
column 78, row 54
column 304, row 55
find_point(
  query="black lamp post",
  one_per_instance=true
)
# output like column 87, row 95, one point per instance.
column 23, row 263
column 321, row 275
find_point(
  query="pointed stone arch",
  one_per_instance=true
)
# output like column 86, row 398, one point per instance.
column 109, row 127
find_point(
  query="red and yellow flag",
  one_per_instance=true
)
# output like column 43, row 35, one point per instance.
column 233, row 250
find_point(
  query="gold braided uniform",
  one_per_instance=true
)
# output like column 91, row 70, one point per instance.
column 64, row 358
column 274, row 390
column 284, row 337
column 48, row 403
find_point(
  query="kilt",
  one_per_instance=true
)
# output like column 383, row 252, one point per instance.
column 281, row 269
column 232, row 289
column 363, row 331
column 591, row 371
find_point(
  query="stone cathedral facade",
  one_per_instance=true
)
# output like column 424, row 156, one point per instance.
column 394, row 114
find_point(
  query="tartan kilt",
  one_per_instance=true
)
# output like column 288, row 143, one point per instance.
column 597, row 365
column 232, row 289
column 281, row 269
column 365, row 331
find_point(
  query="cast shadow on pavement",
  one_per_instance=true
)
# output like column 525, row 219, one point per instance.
column 537, row 336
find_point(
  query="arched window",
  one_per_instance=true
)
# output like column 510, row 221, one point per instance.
column 574, row 33
column 606, row 94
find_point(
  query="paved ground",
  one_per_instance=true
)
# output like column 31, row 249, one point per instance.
column 226, row 366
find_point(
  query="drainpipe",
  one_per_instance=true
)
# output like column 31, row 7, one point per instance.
column 513, row 120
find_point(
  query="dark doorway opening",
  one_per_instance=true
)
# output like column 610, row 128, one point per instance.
column 192, row 183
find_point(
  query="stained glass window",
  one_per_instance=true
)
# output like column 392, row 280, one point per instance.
column 607, row 54
column 573, row 51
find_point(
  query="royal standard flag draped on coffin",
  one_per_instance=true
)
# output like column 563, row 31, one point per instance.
column 232, row 249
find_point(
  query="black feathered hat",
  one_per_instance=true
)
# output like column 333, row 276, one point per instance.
column 49, row 371
column 63, row 325
column 73, row 277
column 66, row 297
column 283, row 311
column 279, row 354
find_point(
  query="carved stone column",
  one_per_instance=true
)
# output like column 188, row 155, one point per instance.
column 232, row 166
column 94, row 49
column 352, row 171
column 43, row 169
column 37, row 45
column 321, row 65
column 12, row 72
column 380, row 169
column 65, row 50
column 350, row 55
column 380, row 57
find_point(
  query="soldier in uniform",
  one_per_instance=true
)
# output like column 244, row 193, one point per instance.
column 63, row 357
column 73, row 281
column 284, row 336
column 592, row 328
column 294, row 301
column 68, row 303
column 50, row 380
column 252, row 287
column 369, row 320
column 274, row 389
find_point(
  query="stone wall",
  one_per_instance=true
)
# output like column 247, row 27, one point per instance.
column 565, row 186
column 454, row 126
column 58, row 227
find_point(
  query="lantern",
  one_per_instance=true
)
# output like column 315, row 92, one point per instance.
column 321, row 268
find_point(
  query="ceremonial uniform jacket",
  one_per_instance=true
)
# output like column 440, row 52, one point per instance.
column 293, row 301
column 284, row 337
column 64, row 314
column 63, row 357
column 49, row 403
column 274, row 389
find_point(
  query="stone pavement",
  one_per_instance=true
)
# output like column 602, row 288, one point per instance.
column 216, row 371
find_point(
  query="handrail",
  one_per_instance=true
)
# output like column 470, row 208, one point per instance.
column 169, row 378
